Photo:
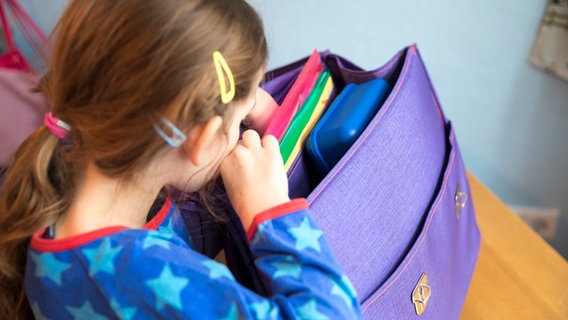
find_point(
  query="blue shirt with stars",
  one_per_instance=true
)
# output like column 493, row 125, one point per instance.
column 154, row 272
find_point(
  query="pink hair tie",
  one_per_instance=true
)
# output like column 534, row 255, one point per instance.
column 59, row 128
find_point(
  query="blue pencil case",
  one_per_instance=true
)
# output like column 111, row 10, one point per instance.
column 344, row 122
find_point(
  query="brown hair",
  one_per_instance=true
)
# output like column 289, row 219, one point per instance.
column 117, row 68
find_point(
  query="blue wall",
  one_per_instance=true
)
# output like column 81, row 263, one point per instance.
column 511, row 119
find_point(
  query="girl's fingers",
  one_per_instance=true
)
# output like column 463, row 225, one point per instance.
column 251, row 139
column 270, row 142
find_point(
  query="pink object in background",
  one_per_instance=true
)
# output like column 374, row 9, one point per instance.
column 21, row 110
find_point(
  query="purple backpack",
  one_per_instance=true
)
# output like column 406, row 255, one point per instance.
column 396, row 209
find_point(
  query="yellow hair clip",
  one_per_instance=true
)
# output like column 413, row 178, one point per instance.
column 223, row 69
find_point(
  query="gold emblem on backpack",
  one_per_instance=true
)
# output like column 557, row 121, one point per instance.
column 421, row 294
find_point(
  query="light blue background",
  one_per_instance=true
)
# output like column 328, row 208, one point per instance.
column 511, row 118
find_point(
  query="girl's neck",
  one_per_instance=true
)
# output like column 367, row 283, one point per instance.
column 102, row 202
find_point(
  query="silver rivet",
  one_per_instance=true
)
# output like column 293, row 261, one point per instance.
column 461, row 200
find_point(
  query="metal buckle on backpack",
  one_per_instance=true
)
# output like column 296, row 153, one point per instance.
column 461, row 199
column 421, row 294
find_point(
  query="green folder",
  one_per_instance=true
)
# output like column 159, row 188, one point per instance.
column 305, row 119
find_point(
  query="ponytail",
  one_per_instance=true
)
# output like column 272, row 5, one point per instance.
column 37, row 189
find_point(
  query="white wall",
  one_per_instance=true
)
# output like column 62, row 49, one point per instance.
column 511, row 119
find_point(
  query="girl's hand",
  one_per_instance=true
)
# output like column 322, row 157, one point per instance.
column 254, row 176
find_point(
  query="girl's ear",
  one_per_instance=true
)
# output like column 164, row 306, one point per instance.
column 200, row 137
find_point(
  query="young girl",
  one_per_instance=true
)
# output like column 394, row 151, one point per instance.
column 146, row 94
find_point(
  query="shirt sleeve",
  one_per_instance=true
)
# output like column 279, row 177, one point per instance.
column 296, row 261
column 162, row 277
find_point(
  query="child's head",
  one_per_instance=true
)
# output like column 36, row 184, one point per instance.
column 117, row 69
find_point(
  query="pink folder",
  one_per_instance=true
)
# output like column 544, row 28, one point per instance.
column 298, row 93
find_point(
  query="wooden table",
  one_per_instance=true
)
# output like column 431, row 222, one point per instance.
column 518, row 275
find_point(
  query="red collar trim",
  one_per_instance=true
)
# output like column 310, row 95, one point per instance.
column 57, row 245
column 160, row 216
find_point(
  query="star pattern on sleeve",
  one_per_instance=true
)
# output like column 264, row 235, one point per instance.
column 233, row 313
column 286, row 267
column 167, row 288
column 336, row 290
column 345, row 290
column 49, row 267
column 260, row 236
column 217, row 270
column 150, row 241
column 85, row 311
column 166, row 225
column 309, row 311
column 263, row 310
column 306, row 236
column 123, row 313
column 101, row 258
